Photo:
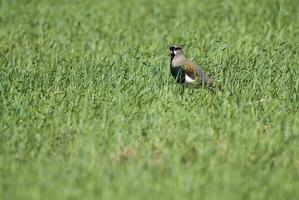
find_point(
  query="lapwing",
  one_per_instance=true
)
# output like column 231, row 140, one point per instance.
column 185, row 71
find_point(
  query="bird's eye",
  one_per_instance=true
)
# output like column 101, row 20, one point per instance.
column 177, row 48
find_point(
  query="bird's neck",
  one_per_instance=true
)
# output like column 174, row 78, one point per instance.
column 176, row 57
column 171, row 57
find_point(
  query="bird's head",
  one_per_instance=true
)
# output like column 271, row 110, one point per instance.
column 175, row 50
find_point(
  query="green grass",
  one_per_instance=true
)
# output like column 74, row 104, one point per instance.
column 88, row 109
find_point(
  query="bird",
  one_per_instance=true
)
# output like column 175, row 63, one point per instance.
column 185, row 71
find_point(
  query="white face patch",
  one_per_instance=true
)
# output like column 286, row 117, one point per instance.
column 188, row 79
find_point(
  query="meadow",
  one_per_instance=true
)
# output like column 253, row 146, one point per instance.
column 88, row 109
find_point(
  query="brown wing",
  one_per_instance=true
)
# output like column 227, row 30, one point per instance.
column 194, row 71
column 190, row 69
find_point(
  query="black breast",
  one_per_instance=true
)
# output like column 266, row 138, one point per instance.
column 178, row 73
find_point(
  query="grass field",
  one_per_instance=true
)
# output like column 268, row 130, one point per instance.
column 88, row 109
